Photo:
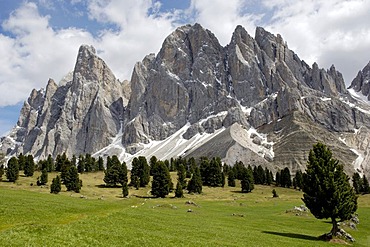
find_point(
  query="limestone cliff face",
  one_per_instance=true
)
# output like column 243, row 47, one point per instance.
column 79, row 115
column 362, row 82
column 253, row 99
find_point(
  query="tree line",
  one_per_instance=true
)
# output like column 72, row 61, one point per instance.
column 192, row 174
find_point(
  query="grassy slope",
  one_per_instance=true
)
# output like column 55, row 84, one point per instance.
column 32, row 216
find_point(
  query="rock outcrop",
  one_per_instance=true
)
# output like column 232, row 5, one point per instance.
column 362, row 82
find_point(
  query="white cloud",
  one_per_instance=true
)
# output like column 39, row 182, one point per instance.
column 221, row 17
column 35, row 53
column 326, row 31
column 141, row 30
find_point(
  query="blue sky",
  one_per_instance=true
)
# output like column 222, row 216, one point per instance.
column 39, row 39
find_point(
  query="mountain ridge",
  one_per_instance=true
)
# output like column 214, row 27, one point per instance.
column 198, row 92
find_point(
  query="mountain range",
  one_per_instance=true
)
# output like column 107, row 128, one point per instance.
column 253, row 100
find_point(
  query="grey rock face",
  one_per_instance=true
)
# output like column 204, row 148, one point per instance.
column 362, row 82
column 78, row 116
column 254, row 100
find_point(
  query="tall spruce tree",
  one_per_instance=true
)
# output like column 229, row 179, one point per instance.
column 268, row 176
column 29, row 166
column 116, row 173
column 12, row 171
column 195, row 183
column 179, row 192
column 152, row 162
column 365, row 185
column 1, row 172
column 285, row 178
column 21, row 161
column 56, row 185
column 100, row 163
column 161, row 181
column 327, row 192
column 72, row 180
column 43, row 179
column 231, row 178
column 357, row 182
column 181, row 176
column 247, row 182
column 81, row 164
column 299, row 179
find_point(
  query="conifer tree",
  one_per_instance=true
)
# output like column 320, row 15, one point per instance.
column 327, row 192
column 231, row 178
column 125, row 190
column 161, row 181
column 21, row 161
column 357, row 182
column 1, row 172
column 195, row 183
column 144, row 174
column 268, row 176
column 44, row 178
column 238, row 169
column 12, row 171
column 100, row 164
column 29, row 166
column 81, row 164
column 179, row 192
column 50, row 164
column 247, row 182
column 72, row 180
column 277, row 178
column 181, row 175
column 152, row 162
column 56, row 185
column 116, row 173
column 285, row 178
column 365, row 185
column 299, row 179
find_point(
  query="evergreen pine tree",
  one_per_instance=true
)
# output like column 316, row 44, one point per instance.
column 161, row 181
column 50, row 164
column 195, row 183
column 357, row 183
column 116, row 173
column 81, row 164
column 12, row 171
column 277, row 178
column 21, row 161
column 238, row 169
column 56, row 185
column 144, row 174
column 152, row 162
column 181, row 175
column 247, row 182
column 261, row 175
column 100, row 163
column 44, row 178
column 285, row 178
column 72, row 180
column 299, row 179
column 327, row 192
column 29, row 166
column 365, row 185
column 66, row 164
column 231, row 178
column 125, row 190
column 1, row 172
column 268, row 176
column 179, row 193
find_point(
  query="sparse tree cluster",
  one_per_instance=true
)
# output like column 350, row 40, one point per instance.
column 361, row 185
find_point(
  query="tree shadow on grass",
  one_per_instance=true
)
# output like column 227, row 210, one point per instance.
column 293, row 235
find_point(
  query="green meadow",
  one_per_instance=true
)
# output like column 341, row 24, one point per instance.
column 98, row 216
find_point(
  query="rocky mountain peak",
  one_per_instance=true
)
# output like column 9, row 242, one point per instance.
column 361, row 83
column 253, row 100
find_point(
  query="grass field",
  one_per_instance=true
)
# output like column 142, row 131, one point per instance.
column 98, row 216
